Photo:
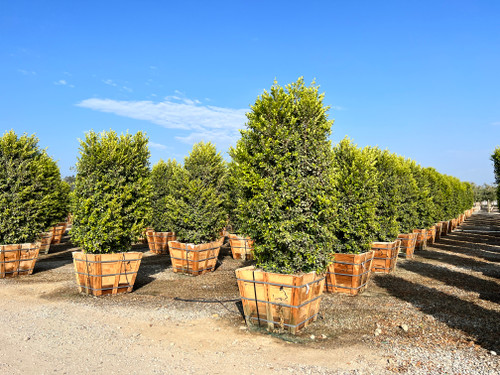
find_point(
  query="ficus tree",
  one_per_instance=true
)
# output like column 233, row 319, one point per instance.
column 194, row 203
column 166, row 180
column 32, row 195
column 356, row 181
column 282, row 168
column 111, row 200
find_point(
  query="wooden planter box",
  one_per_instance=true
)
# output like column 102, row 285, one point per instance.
column 444, row 227
column 18, row 259
column 349, row 273
column 45, row 241
column 385, row 257
column 278, row 301
column 452, row 225
column 58, row 232
column 421, row 243
column 102, row 274
column 439, row 227
column 431, row 235
column 194, row 259
column 408, row 241
column 158, row 241
column 241, row 247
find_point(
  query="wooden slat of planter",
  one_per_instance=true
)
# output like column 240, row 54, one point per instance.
column 431, row 235
column 349, row 273
column 58, row 232
column 439, row 227
column 444, row 227
column 385, row 257
column 241, row 247
column 102, row 274
column 271, row 300
column 408, row 241
column 194, row 259
column 158, row 241
column 18, row 259
column 45, row 240
column 421, row 243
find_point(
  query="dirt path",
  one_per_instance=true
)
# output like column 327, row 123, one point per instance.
column 448, row 299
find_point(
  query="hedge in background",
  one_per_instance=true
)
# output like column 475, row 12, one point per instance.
column 112, row 192
column 194, row 209
column 355, row 224
column 166, row 179
column 32, row 195
column 282, row 167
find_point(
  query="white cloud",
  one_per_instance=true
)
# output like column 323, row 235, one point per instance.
column 26, row 72
column 157, row 145
column 202, row 122
column 338, row 108
column 109, row 82
column 496, row 123
column 63, row 82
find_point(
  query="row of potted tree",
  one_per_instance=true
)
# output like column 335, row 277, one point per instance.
column 297, row 204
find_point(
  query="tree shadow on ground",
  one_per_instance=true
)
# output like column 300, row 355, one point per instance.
column 487, row 269
column 151, row 265
column 488, row 290
column 59, row 255
column 476, row 321
column 460, row 245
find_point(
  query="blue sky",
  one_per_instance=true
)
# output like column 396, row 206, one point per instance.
column 420, row 78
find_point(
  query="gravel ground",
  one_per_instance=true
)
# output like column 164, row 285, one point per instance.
column 439, row 313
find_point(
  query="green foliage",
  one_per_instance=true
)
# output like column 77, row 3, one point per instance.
column 355, row 224
column 424, row 203
column 390, row 197
column 484, row 192
column 496, row 168
column 166, row 180
column 112, row 192
column 193, row 196
column 32, row 195
column 407, row 213
column 282, row 170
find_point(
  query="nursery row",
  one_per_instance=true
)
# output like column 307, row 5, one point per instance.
column 297, row 204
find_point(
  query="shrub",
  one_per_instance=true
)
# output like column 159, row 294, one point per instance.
column 166, row 179
column 390, row 197
column 495, row 157
column 32, row 195
column 195, row 209
column 407, row 214
column 356, row 178
column 282, row 167
column 424, row 204
column 112, row 191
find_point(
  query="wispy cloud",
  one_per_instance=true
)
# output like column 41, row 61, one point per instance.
column 338, row 108
column 26, row 72
column 496, row 123
column 109, row 82
column 157, row 145
column 63, row 82
column 202, row 122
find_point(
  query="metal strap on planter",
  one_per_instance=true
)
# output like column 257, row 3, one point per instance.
column 195, row 251
column 18, row 259
column 283, row 285
column 281, row 304
column 105, row 261
column 193, row 261
column 367, row 271
column 279, row 323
